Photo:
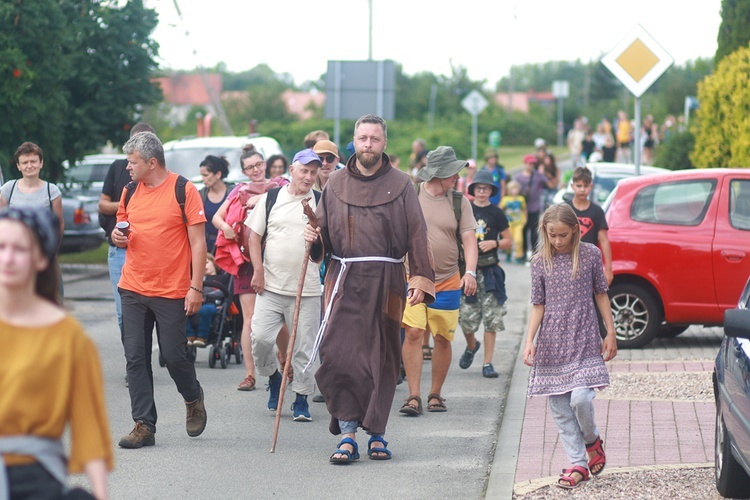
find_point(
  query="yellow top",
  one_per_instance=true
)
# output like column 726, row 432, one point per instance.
column 50, row 376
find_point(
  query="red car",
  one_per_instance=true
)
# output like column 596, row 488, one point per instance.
column 680, row 250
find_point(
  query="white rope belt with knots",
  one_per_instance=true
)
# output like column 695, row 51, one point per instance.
column 324, row 323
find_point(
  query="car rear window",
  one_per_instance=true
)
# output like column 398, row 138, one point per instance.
column 739, row 204
column 675, row 203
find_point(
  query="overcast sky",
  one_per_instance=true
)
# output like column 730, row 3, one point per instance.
column 485, row 36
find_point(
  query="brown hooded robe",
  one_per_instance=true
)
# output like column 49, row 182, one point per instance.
column 363, row 216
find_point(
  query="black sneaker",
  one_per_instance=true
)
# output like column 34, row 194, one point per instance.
column 467, row 358
column 488, row 371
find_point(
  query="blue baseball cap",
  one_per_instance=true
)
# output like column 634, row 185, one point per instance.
column 306, row 156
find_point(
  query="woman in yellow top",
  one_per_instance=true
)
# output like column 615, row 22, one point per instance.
column 49, row 370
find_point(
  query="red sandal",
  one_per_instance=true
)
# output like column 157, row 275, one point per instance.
column 568, row 482
column 597, row 463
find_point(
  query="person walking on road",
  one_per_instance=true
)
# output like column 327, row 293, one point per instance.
column 370, row 219
column 276, row 279
column 567, row 359
column 114, row 182
column 447, row 231
column 533, row 183
column 50, row 375
column 158, row 286
column 487, row 306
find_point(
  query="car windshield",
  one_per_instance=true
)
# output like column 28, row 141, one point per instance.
column 84, row 173
column 603, row 186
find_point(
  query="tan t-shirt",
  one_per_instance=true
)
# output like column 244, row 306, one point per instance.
column 285, row 244
column 441, row 230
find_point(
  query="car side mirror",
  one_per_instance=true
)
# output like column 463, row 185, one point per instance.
column 737, row 323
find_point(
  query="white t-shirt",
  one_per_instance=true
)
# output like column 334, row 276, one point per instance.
column 285, row 244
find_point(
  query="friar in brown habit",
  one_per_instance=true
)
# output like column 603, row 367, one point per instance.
column 370, row 221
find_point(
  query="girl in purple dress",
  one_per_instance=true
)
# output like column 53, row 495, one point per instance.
column 567, row 360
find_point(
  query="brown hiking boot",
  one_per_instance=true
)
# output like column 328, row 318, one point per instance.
column 139, row 437
column 196, row 416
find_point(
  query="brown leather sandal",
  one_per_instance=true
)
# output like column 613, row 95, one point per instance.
column 438, row 407
column 411, row 410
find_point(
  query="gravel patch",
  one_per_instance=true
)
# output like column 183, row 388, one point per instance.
column 669, row 386
column 685, row 484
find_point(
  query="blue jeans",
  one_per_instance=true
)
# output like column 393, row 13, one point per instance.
column 205, row 319
column 115, row 261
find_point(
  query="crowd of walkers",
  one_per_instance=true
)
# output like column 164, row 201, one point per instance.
column 404, row 259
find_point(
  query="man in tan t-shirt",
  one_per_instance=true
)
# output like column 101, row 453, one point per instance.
column 276, row 278
column 440, row 318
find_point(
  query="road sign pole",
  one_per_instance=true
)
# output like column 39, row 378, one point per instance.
column 637, row 137
column 560, row 121
column 474, row 136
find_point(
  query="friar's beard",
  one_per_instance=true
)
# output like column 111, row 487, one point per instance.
column 368, row 160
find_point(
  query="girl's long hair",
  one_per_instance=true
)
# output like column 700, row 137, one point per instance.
column 563, row 213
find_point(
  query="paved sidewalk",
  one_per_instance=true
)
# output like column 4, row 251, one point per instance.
column 672, row 430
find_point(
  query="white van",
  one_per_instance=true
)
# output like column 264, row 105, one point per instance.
column 184, row 156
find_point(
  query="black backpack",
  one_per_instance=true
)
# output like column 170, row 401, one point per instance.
column 179, row 192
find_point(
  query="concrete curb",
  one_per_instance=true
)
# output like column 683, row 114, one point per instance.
column 502, row 475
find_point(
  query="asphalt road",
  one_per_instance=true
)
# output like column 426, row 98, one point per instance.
column 436, row 455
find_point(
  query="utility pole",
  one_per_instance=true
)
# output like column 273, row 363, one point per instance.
column 369, row 52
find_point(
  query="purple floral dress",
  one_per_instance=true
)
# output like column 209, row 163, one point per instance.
column 568, row 346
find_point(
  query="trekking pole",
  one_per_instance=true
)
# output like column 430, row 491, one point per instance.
column 313, row 221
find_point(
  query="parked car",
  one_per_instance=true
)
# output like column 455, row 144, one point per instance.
column 605, row 178
column 732, row 392
column 80, row 196
column 185, row 155
column 680, row 250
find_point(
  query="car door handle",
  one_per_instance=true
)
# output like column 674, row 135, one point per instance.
column 733, row 255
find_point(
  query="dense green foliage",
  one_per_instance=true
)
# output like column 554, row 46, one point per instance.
column 723, row 119
column 74, row 74
column 674, row 152
column 734, row 31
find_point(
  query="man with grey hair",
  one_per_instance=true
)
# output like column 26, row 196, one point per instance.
column 276, row 279
column 163, row 210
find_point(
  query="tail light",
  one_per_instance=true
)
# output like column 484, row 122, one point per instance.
column 80, row 216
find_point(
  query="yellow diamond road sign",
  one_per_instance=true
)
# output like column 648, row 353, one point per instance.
column 638, row 61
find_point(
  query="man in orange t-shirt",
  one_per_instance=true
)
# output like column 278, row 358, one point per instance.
column 161, row 282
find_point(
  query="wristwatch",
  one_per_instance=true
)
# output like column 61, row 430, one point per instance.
column 472, row 274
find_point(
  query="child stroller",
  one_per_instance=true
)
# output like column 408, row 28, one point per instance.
column 224, row 338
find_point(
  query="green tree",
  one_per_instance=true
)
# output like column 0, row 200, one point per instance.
column 78, row 75
column 722, row 133
column 734, row 31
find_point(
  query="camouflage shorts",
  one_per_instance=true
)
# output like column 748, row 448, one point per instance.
column 485, row 310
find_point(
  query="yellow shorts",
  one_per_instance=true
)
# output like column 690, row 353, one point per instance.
column 436, row 321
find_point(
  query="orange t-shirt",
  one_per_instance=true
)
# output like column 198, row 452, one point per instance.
column 158, row 258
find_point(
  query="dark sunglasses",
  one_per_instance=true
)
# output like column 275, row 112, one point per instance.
column 327, row 158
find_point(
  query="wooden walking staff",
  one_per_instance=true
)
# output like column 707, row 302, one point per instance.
column 313, row 221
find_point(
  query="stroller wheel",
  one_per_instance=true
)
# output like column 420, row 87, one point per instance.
column 225, row 354
column 212, row 356
column 237, row 353
column 192, row 354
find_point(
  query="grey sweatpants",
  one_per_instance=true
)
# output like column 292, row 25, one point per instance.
column 573, row 413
